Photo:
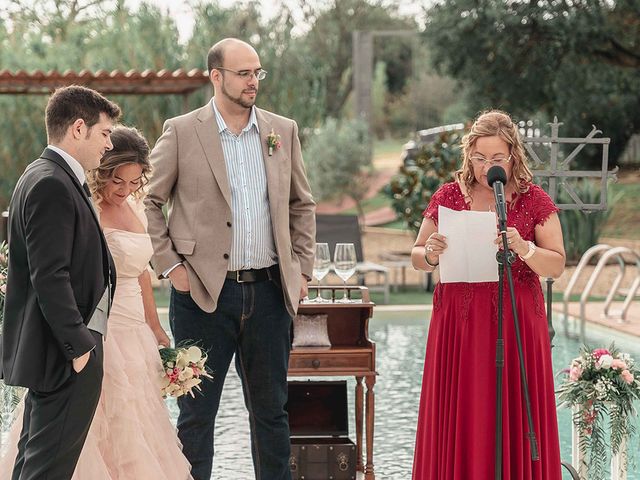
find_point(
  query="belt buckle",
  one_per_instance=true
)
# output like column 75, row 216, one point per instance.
column 238, row 276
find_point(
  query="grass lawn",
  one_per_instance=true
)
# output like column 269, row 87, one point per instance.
column 388, row 146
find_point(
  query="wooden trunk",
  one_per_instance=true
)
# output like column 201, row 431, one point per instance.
column 318, row 420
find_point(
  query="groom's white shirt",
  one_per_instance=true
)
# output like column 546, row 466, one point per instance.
column 72, row 162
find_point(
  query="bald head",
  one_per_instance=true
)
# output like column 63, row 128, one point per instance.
column 226, row 47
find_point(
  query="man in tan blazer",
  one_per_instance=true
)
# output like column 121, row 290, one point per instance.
column 238, row 247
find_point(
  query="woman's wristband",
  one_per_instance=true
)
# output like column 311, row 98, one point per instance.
column 426, row 259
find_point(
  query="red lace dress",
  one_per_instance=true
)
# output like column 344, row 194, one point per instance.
column 456, row 425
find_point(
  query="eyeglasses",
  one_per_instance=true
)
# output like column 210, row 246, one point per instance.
column 260, row 74
column 497, row 160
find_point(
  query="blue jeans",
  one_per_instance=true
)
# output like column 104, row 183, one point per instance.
column 251, row 321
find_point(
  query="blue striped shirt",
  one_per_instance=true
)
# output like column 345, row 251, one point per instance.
column 252, row 239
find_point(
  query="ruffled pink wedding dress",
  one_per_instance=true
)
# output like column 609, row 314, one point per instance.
column 131, row 437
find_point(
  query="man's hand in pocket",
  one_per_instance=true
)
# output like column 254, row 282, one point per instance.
column 81, row 362
column 180, row 279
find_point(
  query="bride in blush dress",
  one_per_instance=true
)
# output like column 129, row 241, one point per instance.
column 131, row 437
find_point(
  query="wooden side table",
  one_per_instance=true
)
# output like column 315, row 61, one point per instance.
column 352, row 353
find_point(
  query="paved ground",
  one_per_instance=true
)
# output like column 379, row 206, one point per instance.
column 594, row 313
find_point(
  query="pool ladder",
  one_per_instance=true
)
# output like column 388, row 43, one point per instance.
column 607, row 253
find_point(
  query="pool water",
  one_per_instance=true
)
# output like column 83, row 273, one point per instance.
column 400, row 343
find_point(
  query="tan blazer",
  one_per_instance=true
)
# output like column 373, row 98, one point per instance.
column 190, row 177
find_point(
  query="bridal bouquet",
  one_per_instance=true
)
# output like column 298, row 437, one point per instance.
column 184, row 368
column 601, row 382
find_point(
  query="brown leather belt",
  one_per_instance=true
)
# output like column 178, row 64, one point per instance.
column 259, row 275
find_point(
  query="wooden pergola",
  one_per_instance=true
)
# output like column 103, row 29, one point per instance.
column 116, row 82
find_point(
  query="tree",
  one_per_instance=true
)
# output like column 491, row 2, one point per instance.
column 337, row 161
column 413, row 186
column 330, row 40
column 577, row 59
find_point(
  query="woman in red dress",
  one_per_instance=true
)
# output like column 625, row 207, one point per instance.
column 456, row 426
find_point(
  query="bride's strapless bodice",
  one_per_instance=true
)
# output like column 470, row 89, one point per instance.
column 131, row 252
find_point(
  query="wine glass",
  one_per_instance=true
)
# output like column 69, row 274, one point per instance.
column 345, row 265
column 321, row 266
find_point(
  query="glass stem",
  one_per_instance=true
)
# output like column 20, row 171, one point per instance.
column 344, row 296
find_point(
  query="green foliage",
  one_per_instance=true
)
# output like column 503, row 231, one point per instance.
column 330, row 42
column 581, row 230
column 71, row 35
column 412, row 187
column 525, row 57
column 337, row 160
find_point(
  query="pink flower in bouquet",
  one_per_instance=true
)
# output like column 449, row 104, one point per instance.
column 627, row 376
column 3, row 289
column 598, row 352
column 575, row 372
column 619, row 364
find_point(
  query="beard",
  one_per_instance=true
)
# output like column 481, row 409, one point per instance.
column 248, row 103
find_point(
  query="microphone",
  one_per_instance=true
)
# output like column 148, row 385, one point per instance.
column 497, row 179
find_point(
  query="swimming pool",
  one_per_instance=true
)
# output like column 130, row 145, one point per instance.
column 400, row 339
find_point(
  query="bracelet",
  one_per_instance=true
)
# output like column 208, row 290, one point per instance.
column 426, row 259
column 530, row 252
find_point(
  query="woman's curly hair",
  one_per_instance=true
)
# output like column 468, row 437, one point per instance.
column 129, row 147
column 489, row 124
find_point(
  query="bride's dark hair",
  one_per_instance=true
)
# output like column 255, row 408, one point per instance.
column 129, row 147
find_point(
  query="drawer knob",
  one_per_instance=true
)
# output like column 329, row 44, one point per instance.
column 315, row 363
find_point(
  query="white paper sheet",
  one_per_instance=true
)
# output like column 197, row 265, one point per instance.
column 470, row 255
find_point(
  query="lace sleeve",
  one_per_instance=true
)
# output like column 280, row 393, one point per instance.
column 541, row 206
column 437, row 199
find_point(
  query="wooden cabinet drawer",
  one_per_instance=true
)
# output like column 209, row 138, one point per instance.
column 331, row 361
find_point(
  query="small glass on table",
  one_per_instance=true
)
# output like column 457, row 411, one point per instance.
column 344, row 261
column 321, row 267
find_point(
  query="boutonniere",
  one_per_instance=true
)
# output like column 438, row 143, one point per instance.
column 273, row 142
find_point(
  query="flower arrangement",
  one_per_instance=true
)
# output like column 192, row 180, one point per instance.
column 184, row 367
column 273, row 142
column 4, row 265
column 601, row 382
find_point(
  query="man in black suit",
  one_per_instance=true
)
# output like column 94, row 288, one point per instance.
column 59, row 287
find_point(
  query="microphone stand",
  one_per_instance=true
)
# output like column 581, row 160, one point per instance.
column 505, row 258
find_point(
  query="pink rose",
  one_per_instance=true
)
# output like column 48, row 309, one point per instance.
column 619, row 364
column 627, row 376
column 574, row 373
column 598, row 352
column 3, row 289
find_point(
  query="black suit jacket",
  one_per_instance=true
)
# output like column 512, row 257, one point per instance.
column 59, row 266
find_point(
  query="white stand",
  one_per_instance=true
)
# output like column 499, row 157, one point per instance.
column 618, row 461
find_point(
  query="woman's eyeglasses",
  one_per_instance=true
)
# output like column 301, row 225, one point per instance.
column 499, row 160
